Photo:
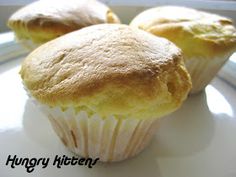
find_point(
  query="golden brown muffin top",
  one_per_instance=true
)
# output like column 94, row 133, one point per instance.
column 197, row 33
column 108, row 69
column 44, row 20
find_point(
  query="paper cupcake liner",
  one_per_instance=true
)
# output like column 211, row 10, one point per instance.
column 203, row 70
column 27, row 44
column 109, row 139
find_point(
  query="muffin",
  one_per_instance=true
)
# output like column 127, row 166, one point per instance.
column 104, row 88
column 45, row 20
column 207, row 40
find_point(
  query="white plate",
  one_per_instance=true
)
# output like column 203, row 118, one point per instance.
column 199, row 140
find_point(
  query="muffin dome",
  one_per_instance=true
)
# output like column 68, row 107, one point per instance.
column 197, row 33
column 207, row 40
column 108, row 69
column 44, row 20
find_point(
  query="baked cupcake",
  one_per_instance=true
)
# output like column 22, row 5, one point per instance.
column 45, row 20
column 104, row 88
column 207, row 40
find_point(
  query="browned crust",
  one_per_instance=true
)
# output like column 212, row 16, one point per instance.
column 197, row 33
column 113, row 67
column 45, row 20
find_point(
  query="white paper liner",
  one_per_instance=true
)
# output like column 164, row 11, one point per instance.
column 109, row 139
column 203, row 70
column 28, row 44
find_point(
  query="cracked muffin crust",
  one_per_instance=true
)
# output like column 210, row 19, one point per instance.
column 108, row 69
column 45, row 20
